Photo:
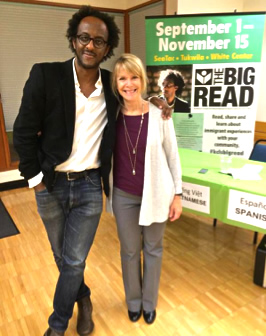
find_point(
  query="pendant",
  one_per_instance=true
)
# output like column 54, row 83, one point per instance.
column 133, row 172
column 134, row 151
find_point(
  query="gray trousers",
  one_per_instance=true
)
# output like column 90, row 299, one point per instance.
column 141, row 283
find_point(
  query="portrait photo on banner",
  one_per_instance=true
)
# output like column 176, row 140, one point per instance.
column 157, row 78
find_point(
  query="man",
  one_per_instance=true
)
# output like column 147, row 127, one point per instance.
column 172, row 87
column 67, row 116
column 64, row 135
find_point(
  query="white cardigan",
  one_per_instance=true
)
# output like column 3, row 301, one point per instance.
column 162, row 171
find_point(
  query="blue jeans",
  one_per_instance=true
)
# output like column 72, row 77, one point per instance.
column 71, row 214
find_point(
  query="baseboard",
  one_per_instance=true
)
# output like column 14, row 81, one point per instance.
column 13, row 185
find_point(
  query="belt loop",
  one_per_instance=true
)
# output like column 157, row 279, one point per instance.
column 55, row 177
column 68, row 177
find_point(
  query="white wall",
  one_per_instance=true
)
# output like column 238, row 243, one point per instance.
column 117, row 4
column 256, row 5
column 209, row 6
column 260, row 5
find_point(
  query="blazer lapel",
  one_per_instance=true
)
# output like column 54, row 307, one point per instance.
column 69, row 98
column 111, row 101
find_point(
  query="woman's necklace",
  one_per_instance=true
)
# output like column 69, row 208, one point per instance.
column 128, row 141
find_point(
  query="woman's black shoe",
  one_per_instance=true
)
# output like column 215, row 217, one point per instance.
column 134, row 316
column 149, row 316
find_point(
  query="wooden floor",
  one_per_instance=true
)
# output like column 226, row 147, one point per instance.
column 206, row 284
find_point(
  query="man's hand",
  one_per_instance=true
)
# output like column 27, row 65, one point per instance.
column 175, row 208
column 40, row 187
column 162, row 104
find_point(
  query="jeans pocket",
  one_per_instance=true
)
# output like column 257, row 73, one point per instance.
column 45, row 202
column 39, row 192
column 94, row 179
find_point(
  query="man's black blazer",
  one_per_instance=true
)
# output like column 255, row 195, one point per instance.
column 181, row 105
column 44, row 127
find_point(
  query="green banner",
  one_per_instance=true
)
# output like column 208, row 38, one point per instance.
column 202, row 39
column 208, row 67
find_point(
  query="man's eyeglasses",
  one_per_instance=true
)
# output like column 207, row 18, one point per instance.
column 167, row 86
column 85, row 39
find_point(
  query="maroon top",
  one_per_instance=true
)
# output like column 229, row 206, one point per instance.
column 123, row 177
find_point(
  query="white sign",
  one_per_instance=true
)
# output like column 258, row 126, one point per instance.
column 227, row 94
column 247, row 208
column 196, row 197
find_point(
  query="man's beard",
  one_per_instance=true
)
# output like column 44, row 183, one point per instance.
column 87, row 66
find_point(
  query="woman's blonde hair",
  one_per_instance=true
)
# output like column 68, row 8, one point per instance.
column 132, row 64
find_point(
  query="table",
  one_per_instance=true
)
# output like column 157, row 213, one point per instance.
column 235, row 202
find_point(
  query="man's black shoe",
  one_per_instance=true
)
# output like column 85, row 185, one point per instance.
column 51, row 332
column 85, row 324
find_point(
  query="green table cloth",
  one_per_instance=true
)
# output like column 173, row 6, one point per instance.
column 236, row 202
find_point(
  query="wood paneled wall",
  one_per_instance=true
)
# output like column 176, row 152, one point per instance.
column 4, row 147
column 260, row 130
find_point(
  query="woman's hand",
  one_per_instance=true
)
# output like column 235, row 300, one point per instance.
column 162, row 104
column 175, row 208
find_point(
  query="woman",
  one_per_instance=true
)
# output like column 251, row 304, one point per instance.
column 145, row 147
